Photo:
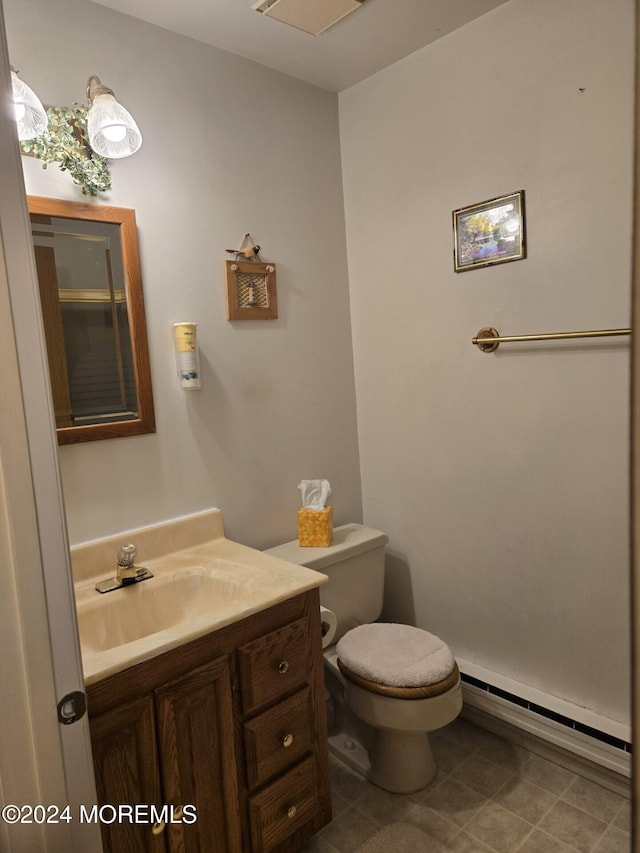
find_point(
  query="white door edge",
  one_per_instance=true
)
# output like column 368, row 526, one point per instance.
column 61, row 753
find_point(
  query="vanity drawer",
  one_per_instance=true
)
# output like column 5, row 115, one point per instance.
column 277, row 738
column 284, row 807
column 274, row 664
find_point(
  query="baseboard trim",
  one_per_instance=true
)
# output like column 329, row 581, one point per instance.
column 592, row 758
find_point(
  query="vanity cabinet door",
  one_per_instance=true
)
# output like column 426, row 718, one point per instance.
column 196, row 744
column 127, row 773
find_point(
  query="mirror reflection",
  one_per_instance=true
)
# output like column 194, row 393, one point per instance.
column 92, row 304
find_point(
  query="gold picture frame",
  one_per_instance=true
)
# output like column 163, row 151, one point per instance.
column 489, row 233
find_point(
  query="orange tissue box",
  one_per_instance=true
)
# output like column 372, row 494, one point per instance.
column 315, row 527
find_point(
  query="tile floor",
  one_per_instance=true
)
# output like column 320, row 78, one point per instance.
column 489, row 796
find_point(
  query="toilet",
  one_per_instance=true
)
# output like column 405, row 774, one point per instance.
column 388, row 685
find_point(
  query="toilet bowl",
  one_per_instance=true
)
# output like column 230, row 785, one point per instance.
column 389, row 685
column 404, row 683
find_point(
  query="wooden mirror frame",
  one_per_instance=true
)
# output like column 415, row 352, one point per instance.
column 125, row 218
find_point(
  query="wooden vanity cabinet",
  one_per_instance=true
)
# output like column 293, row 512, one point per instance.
column 232, row 723
column 127, row 771
column 173, row 746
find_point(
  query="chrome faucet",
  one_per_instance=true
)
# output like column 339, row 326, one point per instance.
column 127, row 572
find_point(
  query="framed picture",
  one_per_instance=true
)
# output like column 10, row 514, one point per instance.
column 489, row 233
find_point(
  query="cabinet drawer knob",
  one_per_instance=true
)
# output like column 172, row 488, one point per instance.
column 178, row 812
column 158, row 827
column 291, row 812
column 283, row 667
column 287, row 740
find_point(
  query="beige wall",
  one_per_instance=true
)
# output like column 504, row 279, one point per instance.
column 229, row 147
column 501, row 479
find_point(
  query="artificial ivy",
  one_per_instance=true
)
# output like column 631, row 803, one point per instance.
column 65, row 142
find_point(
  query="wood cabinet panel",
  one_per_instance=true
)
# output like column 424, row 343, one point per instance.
column 195, row 726
column 127, row 772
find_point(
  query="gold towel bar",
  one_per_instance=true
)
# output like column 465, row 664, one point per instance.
column 489, row 339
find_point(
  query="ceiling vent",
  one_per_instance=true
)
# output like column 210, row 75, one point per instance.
column 310, row 16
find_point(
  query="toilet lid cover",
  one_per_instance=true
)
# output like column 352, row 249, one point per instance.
column 396, row 655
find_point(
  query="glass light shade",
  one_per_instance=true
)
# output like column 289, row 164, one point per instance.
column 30, row 115
column 112, row 130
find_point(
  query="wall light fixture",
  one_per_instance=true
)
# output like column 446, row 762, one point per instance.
column 112, row 130
column 80, row 138
column 30, row 115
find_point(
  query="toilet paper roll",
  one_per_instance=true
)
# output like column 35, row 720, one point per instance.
column 329, row 623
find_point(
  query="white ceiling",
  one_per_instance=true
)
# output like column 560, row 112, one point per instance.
column 378, row 34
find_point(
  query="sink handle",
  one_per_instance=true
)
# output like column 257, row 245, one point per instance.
column 127, row 556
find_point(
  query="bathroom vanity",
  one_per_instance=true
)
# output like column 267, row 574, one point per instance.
column 227, row 729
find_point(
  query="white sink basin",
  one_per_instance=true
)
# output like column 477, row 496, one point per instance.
column 201, row 582
column 151, row 606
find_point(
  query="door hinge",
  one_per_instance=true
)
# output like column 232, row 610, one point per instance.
column 72, row 707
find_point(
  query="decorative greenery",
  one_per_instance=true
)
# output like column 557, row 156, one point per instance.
column 65, row 142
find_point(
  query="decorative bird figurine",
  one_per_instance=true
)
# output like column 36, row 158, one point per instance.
column 248, row 252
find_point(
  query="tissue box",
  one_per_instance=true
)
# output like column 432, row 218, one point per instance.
column 315, row 527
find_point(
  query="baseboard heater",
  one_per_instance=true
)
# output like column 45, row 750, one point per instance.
column 548, row 714
column 585, row 749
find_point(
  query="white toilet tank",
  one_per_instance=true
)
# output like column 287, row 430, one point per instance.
column 354, row 564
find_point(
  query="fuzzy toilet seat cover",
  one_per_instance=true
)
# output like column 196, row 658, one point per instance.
column 396, row 655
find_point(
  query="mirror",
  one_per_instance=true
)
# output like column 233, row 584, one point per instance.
column 88, row 268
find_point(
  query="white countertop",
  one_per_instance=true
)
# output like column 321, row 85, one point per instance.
column 200, row 588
